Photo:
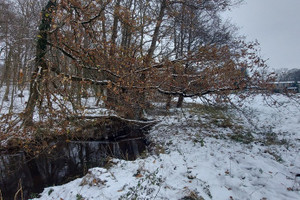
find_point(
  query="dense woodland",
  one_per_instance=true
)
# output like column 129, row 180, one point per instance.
column 126, row 53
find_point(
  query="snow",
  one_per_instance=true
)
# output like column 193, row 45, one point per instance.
column 88, row 107
column 189, row 161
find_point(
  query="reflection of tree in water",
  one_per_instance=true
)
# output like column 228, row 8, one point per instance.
column 63, row 164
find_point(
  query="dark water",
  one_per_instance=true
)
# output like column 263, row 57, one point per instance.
column 67, row 161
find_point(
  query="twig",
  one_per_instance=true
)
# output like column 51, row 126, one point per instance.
column 20, row 190
column 157, row 192
column 1, row 197
column 243, row 113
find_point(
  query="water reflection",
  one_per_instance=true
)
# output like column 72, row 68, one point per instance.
column 64, row 163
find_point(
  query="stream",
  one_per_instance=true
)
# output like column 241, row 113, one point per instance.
column 67, row 161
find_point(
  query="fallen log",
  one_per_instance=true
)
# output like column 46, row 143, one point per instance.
column 109, row 127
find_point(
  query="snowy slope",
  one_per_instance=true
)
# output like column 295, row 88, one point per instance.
column 189, row 161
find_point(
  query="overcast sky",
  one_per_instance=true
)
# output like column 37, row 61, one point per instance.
column 276, row 25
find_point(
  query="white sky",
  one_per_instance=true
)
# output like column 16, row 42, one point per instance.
column 276, row 26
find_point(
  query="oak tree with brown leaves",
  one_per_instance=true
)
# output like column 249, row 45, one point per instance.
column 129, row 51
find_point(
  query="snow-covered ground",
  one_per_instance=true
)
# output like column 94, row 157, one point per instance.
column 253, row 154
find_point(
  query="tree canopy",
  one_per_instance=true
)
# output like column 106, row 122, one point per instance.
column 127, row 52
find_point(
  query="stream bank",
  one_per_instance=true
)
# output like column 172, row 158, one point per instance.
column 96, row 142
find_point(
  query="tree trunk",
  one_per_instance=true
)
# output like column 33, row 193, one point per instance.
column 41, row 65
column 180, row 101
column 168, row 102
column 7, row 74
column 142, row 99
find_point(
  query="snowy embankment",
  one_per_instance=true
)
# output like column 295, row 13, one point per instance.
column 195, row 157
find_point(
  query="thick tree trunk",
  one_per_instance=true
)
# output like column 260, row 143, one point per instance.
column 180, row 101
column 41, row 65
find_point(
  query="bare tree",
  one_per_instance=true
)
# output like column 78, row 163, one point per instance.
column 18, row 34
